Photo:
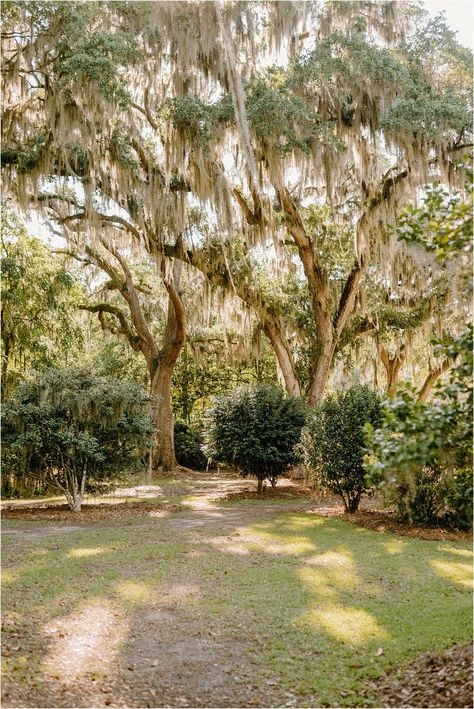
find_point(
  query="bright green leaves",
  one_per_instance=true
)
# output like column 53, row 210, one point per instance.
column 67, row 422
column 192, row 117
column 428, row 114
column 274, row 111
column 442, row 224
column 424, row 449
column 27, row 154
column 39, row 299
column 352, row 58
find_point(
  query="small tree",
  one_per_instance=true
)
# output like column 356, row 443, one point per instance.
column 66, row 427
column 257, row 428
column 334, row 442
column 421, row 453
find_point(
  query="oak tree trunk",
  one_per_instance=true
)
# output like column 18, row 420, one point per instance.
column 163, row 455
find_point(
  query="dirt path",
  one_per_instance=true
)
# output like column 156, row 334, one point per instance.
column 149, row 643
column 170, row 658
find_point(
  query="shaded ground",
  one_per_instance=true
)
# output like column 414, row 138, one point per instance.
column 434, row 680
column 382, row 521
column 228, row 602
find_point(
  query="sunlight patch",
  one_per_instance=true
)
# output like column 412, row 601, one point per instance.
column 394, row 546
column 274, row 543
column 328, row 573
column 91, row 551
column 454, row 571
column 460, row 552
column 85, row 641
column 8, row 576
column 349, row 625
column 133, row 590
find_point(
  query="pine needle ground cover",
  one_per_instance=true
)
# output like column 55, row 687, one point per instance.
column 241, row 605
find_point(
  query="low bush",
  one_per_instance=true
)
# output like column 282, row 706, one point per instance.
column 434, row 497
column 334, row 443
column 256, row 429
column 188, row 444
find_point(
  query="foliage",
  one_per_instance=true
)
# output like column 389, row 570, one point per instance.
column 196, row 382
column 442, row 224
column 188, row 444
column 40, row 326
column 67, row 426
column 420, row 446
column 256, row 428
column 334, row 442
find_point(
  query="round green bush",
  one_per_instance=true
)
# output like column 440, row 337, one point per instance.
column 334, row 443
column 256, row 429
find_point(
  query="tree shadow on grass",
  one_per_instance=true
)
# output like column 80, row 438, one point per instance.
column 296, row 603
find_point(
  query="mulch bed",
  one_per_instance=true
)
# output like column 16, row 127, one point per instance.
column 382, row 521
column 89, row 512
column 434, row 680
column 280, row 492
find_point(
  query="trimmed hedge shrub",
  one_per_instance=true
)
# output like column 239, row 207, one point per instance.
column 256, row 429
column 334, row 442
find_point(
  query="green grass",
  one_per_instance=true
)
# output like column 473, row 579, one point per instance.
column 312, row 599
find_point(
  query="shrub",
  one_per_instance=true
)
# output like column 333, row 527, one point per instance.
column 188, row 444
column 433, row 496
column 256, row 428
column 334, row 443
column 66, row 427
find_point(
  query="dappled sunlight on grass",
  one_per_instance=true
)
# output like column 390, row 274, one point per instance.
column 337, row 572
column 85, row 641
column 259, row 540
column 454, row 571
column 197, row 502
column 231, row 545
column 303, row 595
column 135, row 591
column 394, row 546
column 91, row 551
column 352, row 626
column 307, row 522
column 459, row 552
column 8, row 576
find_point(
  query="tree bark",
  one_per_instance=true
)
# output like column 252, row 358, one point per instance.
column 431, row 378
column 284, row 357
column 160, row 361
column 164, row 457
column 392, row 368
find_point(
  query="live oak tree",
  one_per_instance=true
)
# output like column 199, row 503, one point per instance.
column 160, row 354
column 138, row 112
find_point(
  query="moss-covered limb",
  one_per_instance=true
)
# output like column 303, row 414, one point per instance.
column 124, row 327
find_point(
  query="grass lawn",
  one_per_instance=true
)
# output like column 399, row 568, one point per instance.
column 314, row 606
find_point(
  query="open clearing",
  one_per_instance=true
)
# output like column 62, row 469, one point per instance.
column 194, row 600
